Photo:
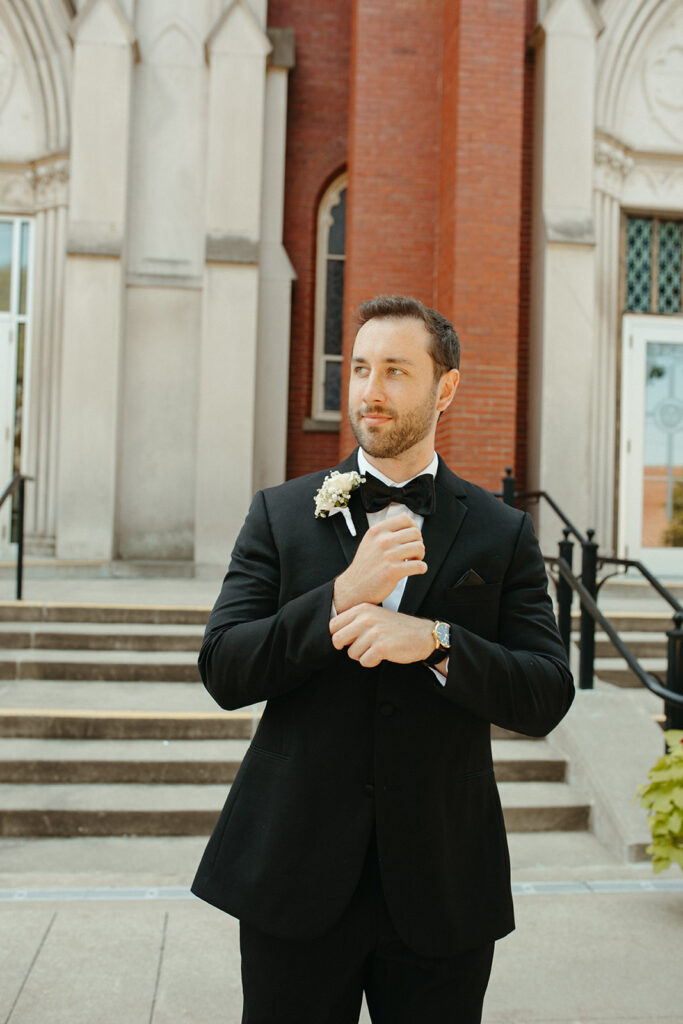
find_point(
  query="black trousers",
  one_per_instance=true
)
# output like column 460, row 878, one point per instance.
column 321, row 981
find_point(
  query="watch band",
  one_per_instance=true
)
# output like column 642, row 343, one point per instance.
column 442, row 641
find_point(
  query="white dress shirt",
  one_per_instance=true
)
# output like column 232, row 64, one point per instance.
column 394, row 509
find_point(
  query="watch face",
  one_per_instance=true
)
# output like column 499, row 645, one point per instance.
column 443, row 633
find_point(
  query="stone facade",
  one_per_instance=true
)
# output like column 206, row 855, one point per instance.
column 171, row 155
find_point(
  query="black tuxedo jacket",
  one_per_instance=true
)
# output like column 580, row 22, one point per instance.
column 341, row 749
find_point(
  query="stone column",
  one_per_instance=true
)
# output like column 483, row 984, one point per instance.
column 277, row 274
column 105, row 50
column 562, row 371
column 236, row 52
column 49, row 179
column 612, row 166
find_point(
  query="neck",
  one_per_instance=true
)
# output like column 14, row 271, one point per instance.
column 406, row 465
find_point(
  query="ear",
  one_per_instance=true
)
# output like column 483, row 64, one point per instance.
column 448, row 385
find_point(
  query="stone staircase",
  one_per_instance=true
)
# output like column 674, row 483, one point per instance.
column 106, row 730
column 644, row 633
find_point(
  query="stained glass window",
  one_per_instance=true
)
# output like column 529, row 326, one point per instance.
column 654, row 265
column 669, row 268
column 638, row 264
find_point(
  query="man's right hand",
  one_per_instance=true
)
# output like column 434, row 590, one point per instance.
column 388, row 551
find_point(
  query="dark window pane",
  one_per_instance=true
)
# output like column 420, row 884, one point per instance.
column 337, row 242
column 638, row 256
column 333, row 387
column 334, row 302
column 669, row 268
column 23, row 267
column 5, row 264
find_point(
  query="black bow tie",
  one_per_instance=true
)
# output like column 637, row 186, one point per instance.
column 417, row 494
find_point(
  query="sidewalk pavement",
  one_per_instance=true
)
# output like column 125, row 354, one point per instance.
column 103, row 931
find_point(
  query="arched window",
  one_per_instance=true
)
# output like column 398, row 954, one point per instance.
column 329, row 302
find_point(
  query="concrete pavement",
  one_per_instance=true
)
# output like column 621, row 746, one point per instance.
column 103, row 930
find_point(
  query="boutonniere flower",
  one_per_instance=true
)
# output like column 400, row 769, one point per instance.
column 334, row 496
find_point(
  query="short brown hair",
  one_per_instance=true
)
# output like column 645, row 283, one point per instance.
column 445, row 344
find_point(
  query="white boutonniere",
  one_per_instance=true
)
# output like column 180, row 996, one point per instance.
column 334, row 496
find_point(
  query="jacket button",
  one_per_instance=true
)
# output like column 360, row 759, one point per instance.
column 369, row 789
column 386, row 709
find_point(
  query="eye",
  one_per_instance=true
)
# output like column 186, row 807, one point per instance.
column 360, row 371
column 395, row 371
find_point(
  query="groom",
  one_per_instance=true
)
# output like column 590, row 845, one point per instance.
column 362, row 844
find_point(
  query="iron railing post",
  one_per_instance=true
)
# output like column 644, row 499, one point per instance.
column 674, row 672
column 509, row 484
column 565, row 593
column 20, row 538
column 589, row 569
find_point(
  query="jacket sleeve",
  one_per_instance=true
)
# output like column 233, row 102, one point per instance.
column 253, row 649
column 522, row 681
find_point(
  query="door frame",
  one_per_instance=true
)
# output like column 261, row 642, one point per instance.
column 637, row 330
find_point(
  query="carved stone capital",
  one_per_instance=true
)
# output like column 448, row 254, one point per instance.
column 49, row 181
column 612, row 166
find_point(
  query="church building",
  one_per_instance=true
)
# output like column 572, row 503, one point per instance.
column 196, row 195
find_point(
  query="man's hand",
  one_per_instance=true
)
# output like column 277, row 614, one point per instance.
column 389, row 551
column 373, row 634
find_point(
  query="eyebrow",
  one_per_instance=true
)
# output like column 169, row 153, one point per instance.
column 389, row 359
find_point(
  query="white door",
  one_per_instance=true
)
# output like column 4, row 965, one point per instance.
column 7, row 378
column 651, row 431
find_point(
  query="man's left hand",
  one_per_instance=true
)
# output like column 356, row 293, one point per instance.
column 373, row 634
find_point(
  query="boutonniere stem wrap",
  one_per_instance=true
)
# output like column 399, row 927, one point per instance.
column 334, row 496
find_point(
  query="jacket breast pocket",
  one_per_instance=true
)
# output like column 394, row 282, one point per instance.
column 476, row 608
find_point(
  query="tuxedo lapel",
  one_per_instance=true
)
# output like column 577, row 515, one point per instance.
column 349, row 543
column 438, row 533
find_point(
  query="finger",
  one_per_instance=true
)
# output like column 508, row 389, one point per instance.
column 416, row 549
column 414, row 567
column 370, row 658
column 344, row 637
column 400, row 522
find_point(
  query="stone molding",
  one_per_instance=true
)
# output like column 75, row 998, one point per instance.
column 231, row 249
column 612, row 166
column 569, row 227
column 49, row 182
column 283, row 54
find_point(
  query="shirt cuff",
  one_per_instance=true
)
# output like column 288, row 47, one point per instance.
column 441, row 678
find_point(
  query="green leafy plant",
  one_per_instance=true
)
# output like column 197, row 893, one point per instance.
column 663, row 797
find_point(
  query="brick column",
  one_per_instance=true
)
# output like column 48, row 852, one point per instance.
column 478, row 260
column 394, row 128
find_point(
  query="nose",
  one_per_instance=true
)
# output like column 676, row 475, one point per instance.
column 373, row 388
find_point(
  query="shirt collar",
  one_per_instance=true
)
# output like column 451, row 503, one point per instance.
column 365, row 467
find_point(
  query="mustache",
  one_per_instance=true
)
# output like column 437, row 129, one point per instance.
column 375, row 410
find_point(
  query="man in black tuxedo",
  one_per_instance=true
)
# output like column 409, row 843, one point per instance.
column 362, row 845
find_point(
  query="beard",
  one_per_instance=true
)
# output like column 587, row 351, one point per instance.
column 405, row 431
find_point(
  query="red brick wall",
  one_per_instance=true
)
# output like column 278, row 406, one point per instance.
column 393, row 155
column 435, row 95
column 317, row 126
column 480, row 217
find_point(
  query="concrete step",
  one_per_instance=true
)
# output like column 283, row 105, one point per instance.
column 69, row 694
column 50, row 761
column 543, row 807
column 617, row 672
column 76, row 611
column 149, row 666
column 90, row 636
column 628, row 622
column 78, row 724
column 642, row 645
column 97, row 810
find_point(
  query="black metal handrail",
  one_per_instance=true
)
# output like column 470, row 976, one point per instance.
column 587, row 587
column 631, row 563
column 18, row 484
column 587, row 601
